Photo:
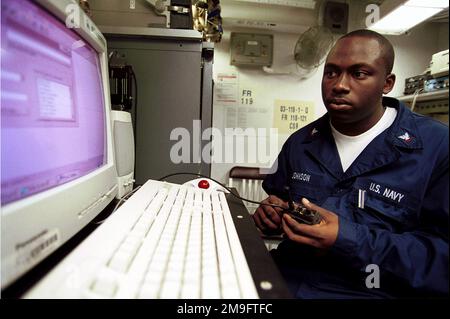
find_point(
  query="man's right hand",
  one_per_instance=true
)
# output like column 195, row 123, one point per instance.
column 268, row 218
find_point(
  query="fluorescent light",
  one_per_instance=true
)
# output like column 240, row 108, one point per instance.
column 308, row 4
column 428, row 3
column 408, row 15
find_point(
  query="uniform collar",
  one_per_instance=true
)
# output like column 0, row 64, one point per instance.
column 402, row 134
column 321, row 146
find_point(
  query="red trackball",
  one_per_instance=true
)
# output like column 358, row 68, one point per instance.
column 203, row 184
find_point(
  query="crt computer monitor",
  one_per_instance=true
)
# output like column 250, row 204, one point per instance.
column 57, row 165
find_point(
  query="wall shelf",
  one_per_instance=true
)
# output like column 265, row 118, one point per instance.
column 433, row 104
column 426, row 96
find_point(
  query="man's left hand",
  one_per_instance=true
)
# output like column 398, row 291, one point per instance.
column 321, row 235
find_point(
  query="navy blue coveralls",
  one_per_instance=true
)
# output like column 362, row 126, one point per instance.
column 400, row 225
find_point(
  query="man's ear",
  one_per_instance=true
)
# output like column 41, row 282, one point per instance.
column 389, row 83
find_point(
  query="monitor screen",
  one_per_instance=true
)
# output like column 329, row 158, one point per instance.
column 57, row 160
column 52, row 108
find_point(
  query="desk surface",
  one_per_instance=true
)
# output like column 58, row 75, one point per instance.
column 261, row 264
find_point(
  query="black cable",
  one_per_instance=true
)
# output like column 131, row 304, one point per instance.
column 226, row 187
column 135, row 113
column 135, row 104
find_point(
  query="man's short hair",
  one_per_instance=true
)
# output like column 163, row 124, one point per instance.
column 387, row 51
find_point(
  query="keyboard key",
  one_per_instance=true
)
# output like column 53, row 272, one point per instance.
column 174, row 275
column 190, row 291
column 129, row 247
column 121, row 260
column 170, row 289
column 149, row 290
column 210, row 286
column 231, row 293
column 105, row 284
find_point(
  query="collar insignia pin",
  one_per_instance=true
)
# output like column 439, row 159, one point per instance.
column 405, row 137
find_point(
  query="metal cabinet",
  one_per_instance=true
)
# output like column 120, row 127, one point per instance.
column 174, row 88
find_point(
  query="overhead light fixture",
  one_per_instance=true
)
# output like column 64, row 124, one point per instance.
column 307, row 4
column 408, row 15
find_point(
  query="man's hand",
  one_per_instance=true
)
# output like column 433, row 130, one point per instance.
column 267, row 218
column 321, row 235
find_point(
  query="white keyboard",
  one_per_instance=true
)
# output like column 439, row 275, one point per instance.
column 166, row 241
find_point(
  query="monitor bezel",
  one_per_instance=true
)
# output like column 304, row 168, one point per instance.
column 68, row 208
